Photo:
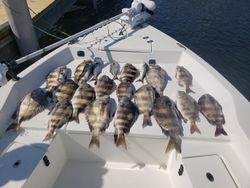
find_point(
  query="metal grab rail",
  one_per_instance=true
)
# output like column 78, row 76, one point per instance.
column 68, row 39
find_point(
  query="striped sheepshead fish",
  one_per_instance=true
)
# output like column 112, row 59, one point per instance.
column 144, row 99
column 212, row 111
column 129, row 73
column 104, row 86
column 84, row 69
column 184, row 78
column 124, row 89
column 114, row 69
column 59, row 116
column 83, row 96
column 65, row 90
column 125, row 116
column 32, row 104
column 97, row 68
column 145, row 68
column 189, row 109
column 166, row 115
column 98, row 118
column 157, row 77
column 56, row 77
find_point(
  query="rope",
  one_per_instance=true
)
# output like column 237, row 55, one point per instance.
column 123, row 27
column 50, row 34
column 59, row 38
column 43, row 20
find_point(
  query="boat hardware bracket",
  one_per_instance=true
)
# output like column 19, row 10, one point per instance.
column 181, row 170
column 80, row 53
column 152, row 62
column 46, row 160
column 181, row 46
column 7, row 70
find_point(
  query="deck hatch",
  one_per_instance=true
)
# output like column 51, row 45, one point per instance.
column 208, row 172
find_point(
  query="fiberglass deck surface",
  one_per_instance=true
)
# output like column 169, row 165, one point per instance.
column 110, row 175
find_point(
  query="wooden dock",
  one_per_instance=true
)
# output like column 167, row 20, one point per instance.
column 36, row 5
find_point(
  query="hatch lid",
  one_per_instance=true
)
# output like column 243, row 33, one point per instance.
column 208, row 172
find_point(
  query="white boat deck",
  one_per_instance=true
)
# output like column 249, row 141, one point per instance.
column 104, row 175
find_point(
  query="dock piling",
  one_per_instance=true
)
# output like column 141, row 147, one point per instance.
column 21, row 25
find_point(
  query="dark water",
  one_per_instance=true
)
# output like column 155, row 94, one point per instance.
column 218, row 30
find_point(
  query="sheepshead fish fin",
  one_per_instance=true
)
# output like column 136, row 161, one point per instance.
column 20, row 130
column 19, row 120
column 140, row 80
column 174, row 143
column 135, row 115
column 197, row 119
column 49, row 136
column 185, row 120
column 93, row 79
column 89, row 123
column 12, row 126
column 75, row 116
column 94, row 141
column 120, row 141
column 114, row 87
column 115, row 77
column 115, row 135
column 178, row 113
column 49, row 95
column 194, row 128
column 179, row 83
column 188, row 90
column 219, row 131
column 15, row 114
column 160, row 93
column 146, row 120
column 52, row 109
